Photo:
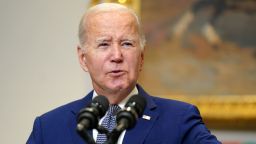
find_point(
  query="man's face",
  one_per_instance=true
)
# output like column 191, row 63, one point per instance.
column 113, row 56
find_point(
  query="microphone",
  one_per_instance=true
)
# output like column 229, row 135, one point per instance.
column 126, row 118
column 88, row 117
column 133, row 110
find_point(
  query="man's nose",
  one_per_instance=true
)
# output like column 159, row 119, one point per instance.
column 117, row 55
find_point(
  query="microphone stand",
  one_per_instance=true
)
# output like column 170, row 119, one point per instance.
column 88, row 138
column 116, row 132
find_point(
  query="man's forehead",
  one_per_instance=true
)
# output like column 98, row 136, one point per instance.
column 110, row 22
column 111, row 17
column 109, row 25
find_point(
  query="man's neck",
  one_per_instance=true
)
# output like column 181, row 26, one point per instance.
column 117, row 97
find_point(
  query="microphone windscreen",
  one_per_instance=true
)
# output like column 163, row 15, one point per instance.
column 102, row 104
column 138, row 102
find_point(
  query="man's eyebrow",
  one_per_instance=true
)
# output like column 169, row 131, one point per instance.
column 102, row 39
column 128, row 39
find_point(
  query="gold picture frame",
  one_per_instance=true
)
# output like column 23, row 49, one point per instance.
column 236, row 112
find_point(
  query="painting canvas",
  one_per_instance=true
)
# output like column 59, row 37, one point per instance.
column 203, row 52
column 199, row 47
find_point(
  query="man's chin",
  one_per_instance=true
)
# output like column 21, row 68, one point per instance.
column 117, row 87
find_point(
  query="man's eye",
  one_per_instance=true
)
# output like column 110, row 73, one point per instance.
column 103, row 45
column 127, row 44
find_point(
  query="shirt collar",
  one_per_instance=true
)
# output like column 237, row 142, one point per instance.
column 124, row 101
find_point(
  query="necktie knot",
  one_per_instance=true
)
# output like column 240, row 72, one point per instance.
column 109, row 122
column 113, row 110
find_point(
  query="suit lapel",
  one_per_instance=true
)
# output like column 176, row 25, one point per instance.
column 72, row 122
column 142, row 128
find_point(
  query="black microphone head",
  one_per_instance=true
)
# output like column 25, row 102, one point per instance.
column 88, row 117
column 102, row 104
column 133, row 110
column 138, row 102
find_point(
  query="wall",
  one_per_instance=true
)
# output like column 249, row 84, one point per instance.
column 39, row 65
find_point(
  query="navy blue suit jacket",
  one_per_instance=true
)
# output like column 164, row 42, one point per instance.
column 172, row 122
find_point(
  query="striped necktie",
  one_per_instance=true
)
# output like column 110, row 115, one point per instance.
column 109, row 122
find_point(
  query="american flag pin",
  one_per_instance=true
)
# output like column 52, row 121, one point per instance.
column 146, row 117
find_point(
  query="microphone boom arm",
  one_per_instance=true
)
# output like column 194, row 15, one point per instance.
column 114, row 135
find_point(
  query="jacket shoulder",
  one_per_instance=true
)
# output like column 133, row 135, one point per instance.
column 173, row 106
column 62, row 111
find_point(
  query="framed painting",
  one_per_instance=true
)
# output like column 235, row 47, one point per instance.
column 202, row 52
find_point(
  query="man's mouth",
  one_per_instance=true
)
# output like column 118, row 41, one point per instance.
column 116, row 73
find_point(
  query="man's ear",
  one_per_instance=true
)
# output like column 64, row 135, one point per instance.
column 82, row 58
column 142, row 59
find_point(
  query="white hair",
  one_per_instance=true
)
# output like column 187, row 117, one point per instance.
column 106, row 7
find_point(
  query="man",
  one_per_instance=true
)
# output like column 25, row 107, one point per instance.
column 111, row 51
